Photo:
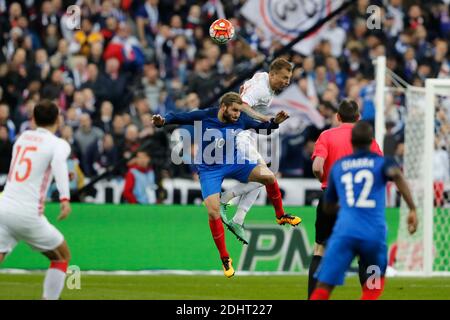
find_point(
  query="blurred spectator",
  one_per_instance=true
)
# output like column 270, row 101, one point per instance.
column 114, row 86
column 6, row 121
column 126, row 49
column 6, row 147
column 203, row 80
column 67, row 134
column 78, row 73
column 152, row 85
column 105, row 118
column 147, row 19
column 105, row 155
column 138, row 108
column 140, row 184
column 60, row 57
column 86, row 136
column 148, row 129
column 131, row 142
column 25, row 114
column 118, row 129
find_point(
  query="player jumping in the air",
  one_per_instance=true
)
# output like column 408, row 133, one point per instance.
column 219, row 159
column 38, row 155
column 257, row 95
column 358, row 183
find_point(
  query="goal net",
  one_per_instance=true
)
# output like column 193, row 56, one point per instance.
column 425, row 125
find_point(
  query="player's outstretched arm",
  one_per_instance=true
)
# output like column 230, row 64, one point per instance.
column 267, row 126
column 397, row 176
column 179, row 118
column 255, row 114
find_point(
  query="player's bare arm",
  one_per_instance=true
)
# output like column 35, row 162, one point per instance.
column 331, row 208
column 65, row 210
column 254, row 114
column 402, row 185
column 317, row 167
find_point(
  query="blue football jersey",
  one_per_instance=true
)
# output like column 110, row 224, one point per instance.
column 216, row 139
column 358, row 183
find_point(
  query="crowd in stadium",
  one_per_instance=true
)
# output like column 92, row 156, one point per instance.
column 134, row 58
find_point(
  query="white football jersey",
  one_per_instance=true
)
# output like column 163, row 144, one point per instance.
column 38, row 155
column 257, row 92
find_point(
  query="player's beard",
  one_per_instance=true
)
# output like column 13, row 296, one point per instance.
column 228, row 117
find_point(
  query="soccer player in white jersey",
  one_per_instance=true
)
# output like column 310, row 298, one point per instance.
column 38, row 156
column 257, row 95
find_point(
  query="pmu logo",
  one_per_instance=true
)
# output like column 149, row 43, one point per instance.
column 274, row 247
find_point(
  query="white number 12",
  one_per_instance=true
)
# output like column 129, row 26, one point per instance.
column 360, row 176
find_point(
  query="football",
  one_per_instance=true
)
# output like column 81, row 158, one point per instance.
column 221, row 31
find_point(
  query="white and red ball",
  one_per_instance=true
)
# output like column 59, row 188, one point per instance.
column 221, row 31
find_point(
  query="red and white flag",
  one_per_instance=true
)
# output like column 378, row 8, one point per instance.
column 284, row 20
column 301, row 110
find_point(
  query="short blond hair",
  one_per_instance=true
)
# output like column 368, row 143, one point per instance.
column 280, row 64
column 229, row 98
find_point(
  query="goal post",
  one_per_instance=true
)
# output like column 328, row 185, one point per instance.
column 427, row 252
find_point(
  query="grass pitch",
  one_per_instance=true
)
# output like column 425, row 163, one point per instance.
column 168, row 287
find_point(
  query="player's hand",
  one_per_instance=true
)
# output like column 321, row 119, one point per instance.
column 65, row 210
column 412, row 221
column 281, row 117
column 158, row 121
column 241, row 89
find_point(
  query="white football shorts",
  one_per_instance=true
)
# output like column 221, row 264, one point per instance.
column 34, row 229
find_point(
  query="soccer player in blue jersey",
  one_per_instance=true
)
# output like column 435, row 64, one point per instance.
column 357, row 183
column 219, row 159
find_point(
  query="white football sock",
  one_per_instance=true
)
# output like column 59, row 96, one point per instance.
column 239, row 190
column 53, row 284
column 245, row 203
column 226, row 196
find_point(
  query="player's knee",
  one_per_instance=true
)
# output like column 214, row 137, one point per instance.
column 213, row 213
column 67, row 256
column 269, row 179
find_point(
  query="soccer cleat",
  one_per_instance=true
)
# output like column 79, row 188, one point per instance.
column 228, row 269
column 237, row 230
column 223, row 213
column 289, row 219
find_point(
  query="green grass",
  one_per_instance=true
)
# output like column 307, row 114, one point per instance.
column 166, row 287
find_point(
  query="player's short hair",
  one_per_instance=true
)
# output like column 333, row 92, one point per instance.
column 362, row 135
column 280, row 64
column 348, row 111
column 45, row 113
column 229, row 98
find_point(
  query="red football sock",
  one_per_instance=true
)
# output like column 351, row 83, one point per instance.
column 320, row 294
column 218, row 234
column 60, row 265
column 274, row 194
column 374, row 293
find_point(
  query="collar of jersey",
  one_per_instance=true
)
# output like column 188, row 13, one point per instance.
column 43, row 130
